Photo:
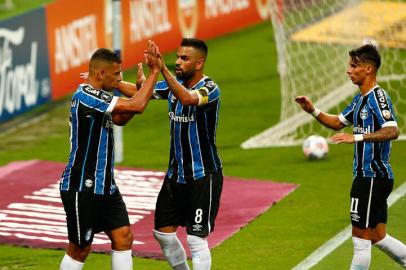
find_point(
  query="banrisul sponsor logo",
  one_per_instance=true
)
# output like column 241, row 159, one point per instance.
column 361, row 130
column 181, row 118
column 19, row 86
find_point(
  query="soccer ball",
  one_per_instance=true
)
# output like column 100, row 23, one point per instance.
column 315, row 147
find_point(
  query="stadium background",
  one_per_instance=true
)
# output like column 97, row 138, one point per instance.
column 244, row 65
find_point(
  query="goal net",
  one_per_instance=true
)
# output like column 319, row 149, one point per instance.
column 313, row 38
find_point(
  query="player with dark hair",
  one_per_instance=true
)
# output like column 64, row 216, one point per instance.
column 190, row 195
column 374, row 126
column 91, row 199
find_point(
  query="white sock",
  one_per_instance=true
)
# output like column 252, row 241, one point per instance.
column 201, row 257
column 70, row 264
column 172, row 249
column 121, row 260
column 394, row 249
column 362, row 254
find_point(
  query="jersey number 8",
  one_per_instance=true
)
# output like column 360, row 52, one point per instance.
column 199, row 215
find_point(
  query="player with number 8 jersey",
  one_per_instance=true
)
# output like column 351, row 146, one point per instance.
column 190, row 195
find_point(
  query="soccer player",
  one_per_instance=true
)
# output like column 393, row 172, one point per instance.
column 190, row 195
column 91, row 199
column 374, row 126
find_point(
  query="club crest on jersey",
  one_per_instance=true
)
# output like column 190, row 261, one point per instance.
column 173, row 98
column 363, row 114
column 108, row 121
column 89, row 183
column 386, row 114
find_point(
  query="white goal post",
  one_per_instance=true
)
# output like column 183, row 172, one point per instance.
column 313, row 38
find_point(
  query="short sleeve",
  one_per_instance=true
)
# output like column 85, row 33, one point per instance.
column 161, row 90
column 96, row 99
column 212, row 89
column 347, row 116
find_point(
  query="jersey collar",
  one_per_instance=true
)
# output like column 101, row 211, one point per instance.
column 372, row 89
column 204, row 77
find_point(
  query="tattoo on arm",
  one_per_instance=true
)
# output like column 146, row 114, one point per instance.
column 384, row 134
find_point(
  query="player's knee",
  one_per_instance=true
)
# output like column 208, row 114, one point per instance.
column 362, row 247
column 378, row 233
column 199, row 248
column 171, row 247
column 128, row 239
column 165, row 240
column 196, row 243
column 78, row 253
column 123, row 241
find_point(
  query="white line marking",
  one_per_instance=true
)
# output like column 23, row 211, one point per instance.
column 342, row 236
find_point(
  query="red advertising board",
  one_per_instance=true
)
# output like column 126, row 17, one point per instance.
column 144, row 20
column 75, row 30
column 167, row 21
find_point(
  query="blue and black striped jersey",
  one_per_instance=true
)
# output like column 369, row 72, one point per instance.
column 368, row 114
column 193, row 151
column 91, row 158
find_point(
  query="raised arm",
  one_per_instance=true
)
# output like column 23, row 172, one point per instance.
column 185, row 97
column 328, row 120
column 125, row 109
column 128, row 89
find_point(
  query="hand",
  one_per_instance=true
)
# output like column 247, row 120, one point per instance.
column 140, row 76
column 152, row 57
column 341, row 138
column 84, row 75
column 305, row 103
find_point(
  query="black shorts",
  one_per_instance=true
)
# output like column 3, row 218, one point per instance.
column 88, row 213
column 194, row 204
column 368, row 201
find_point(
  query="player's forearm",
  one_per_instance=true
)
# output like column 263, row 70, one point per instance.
column 122, row 119
column 384, row 134
column 139, row 101
column 330, row 121
column 184, row 96
column 127, row 89
column 143, row 96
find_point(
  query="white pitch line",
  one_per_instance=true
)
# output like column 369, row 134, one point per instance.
column 342, row 236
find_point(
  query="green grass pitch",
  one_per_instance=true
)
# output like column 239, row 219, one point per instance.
column 244, row 66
